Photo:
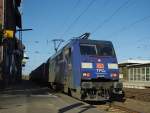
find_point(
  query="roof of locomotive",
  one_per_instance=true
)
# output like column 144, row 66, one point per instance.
column 82, row 41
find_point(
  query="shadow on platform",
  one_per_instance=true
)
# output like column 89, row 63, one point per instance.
column 76, row 105
column 26, row 88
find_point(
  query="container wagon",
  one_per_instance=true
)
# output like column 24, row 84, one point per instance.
column 40, row 74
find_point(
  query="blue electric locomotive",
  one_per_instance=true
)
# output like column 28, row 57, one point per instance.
column 86, row 69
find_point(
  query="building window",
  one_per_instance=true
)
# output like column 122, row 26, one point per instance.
column 131, row 74
column 143, row 74
column 147, row 73
column 135, row 74
column 138, row 74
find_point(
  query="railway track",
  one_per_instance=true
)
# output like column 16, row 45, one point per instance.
column 138, row 94
column 108, row 107
column 113, row 108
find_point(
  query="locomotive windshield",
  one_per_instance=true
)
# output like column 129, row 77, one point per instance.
column 98, row 49
column 105, row 50
column 88, row 49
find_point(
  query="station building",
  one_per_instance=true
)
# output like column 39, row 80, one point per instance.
column 135, row 73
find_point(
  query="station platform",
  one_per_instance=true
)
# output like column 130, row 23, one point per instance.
column 137, row 85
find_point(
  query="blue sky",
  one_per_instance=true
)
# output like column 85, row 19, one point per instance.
column 124, row 22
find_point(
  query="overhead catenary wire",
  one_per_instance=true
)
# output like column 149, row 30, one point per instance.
column 110, row 17
column 104, row 4
column 76, row 5
column 73, row 9
column 130, row 25
column 79, row 16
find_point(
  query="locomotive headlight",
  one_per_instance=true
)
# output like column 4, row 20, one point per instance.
column 86, row 65
column 86, row 74
column 112, row 66
column 114, row 75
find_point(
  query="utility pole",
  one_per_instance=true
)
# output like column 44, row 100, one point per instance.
column 57, row 43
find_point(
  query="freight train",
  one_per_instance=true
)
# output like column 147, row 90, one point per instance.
column 86, row 69
column 40, row 74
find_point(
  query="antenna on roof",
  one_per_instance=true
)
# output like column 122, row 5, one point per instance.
column 57, row 43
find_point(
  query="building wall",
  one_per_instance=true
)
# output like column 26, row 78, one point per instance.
column 141, row 73
column 124, row 72
column 25, row 77
column 1, row 52
column 1, row 10
column 11, row 53
column 137, row 73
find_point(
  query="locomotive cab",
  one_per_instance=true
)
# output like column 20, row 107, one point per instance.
column 99, row 71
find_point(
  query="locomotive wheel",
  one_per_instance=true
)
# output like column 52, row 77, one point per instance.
column 69, row 92
column 50, row 86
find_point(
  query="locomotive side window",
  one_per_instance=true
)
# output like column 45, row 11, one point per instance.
column 88, row 49
column 69, row 52
column 68, row 55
